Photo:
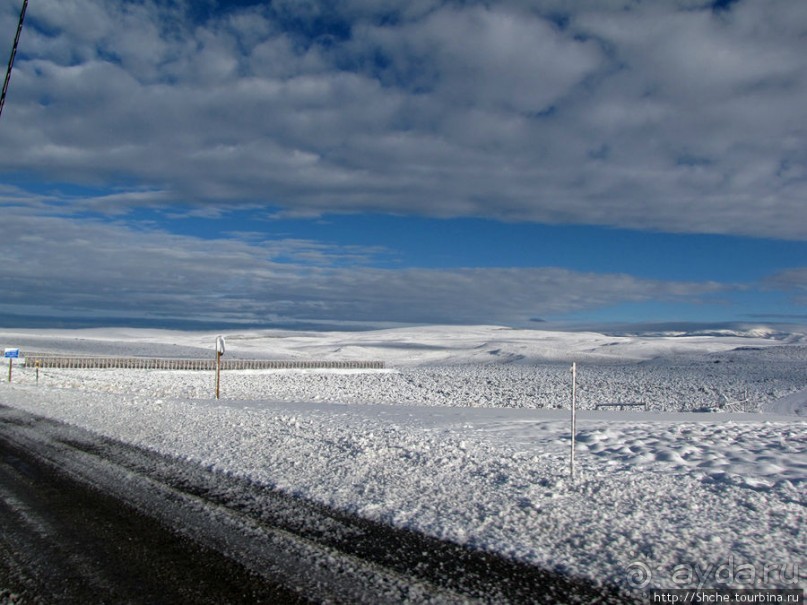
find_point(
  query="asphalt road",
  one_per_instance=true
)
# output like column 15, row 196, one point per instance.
column 65, row 542
column 84, row 519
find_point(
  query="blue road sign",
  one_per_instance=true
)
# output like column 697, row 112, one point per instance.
column 11, row 353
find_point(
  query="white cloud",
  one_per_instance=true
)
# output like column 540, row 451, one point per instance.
column 484, row 58
column 80, row 267
column 661, row 116
column 793, row 281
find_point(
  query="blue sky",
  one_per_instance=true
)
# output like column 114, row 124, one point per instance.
column 363, row 163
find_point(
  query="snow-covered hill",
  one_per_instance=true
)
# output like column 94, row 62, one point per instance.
column 399, row 347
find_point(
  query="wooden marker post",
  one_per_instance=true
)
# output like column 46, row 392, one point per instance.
column 219, row 353
column 574, row 419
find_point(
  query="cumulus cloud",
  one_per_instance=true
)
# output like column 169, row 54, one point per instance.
column 65, row 265
column 663, row 116
column 489, row 58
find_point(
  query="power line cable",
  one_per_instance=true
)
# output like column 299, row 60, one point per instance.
column 13, row 54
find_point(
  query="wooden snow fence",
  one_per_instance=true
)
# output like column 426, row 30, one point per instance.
column 147, row 363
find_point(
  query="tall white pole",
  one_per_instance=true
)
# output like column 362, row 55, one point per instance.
column 574, row 419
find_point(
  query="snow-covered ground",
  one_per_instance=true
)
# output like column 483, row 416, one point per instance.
column 462, row 437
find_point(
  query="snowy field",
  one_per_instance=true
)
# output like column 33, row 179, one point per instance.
column 462, row 436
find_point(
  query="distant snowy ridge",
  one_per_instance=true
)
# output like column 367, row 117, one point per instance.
column 766, row 333
column 405, row 347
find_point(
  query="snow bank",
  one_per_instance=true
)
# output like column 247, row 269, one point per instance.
column 794, row 404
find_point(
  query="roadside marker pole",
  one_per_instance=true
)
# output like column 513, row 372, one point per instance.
column 219, row 353
column 10, row 364
column 574, row 419
column 218, row 372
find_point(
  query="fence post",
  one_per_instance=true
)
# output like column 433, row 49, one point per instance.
column 574, row 419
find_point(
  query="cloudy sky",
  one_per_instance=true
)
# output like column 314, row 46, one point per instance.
column 405, row 161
